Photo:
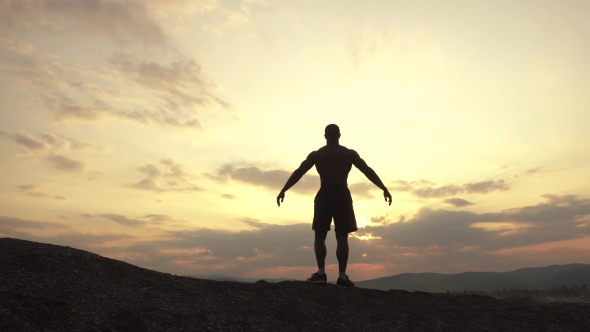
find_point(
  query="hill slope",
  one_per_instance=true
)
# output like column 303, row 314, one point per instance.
column 541, row 278
column 221, row 277
column 54, row 288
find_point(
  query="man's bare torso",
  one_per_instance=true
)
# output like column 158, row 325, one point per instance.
column 333, row 163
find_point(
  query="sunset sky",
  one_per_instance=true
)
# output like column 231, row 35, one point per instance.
column 159, row 132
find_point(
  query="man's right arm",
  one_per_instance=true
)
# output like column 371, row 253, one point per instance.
column 370, row 174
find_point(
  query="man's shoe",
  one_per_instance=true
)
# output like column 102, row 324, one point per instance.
column 318, row 278
column 344, row 283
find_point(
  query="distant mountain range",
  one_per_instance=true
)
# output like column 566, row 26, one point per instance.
column 535, row 277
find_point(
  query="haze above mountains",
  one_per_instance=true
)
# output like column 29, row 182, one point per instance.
column 537, row 277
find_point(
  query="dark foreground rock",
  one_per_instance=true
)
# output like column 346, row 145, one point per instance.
column 53, row 288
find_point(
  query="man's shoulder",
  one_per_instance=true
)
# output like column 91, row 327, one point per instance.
column 351, row 151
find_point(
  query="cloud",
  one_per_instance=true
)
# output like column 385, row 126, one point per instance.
column 29, row 142
column 234, row 14
column 175, row 170
column 551, row 221
column 158, row 218
column 458, row 202
column 531, row 172
column 385, row 220
column 16, row 227
column 179, row 83
column 236, row 18
column 361, row 48
column 274, row 180
column 148, row 219
column 363, row 189
column 30, row 67
column 431, row 240
column 34, row 190
column 255, row 223
column 485, row 187
column 443, row 241
column 67, row 109
column 56, row 142
column 124, row 22
column 170, row 178
column 65, row 164
column 28, row 187
column 229, row 196
column 123, row 220
column 269, row 179
column 93, row 175
column 168, row 94
column 8, row 223
column 182, row 6
column 402, row 185
column 426, row 189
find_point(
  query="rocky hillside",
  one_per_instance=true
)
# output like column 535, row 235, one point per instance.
column 53, row 288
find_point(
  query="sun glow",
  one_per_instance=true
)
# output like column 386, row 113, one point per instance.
column 366, row 237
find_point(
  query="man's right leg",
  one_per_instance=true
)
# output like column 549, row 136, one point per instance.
column 342, row 255
column 319, row 246
column 342, row 250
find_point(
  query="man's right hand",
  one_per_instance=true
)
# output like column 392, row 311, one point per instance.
column 387, row 196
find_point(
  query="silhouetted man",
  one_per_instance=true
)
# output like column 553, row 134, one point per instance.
column 333, row 162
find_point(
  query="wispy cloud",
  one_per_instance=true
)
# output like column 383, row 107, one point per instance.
column 179, row 83
column 8, row 223
column 67, row 109
column 274, row 179
column 269, row 179
column 55, row 142
column 458, row 202
column 362, row 47
column 36, row 190
column 169, row 93
column 123, row 220
column 124, row 22
column 363, row 189
column 532, row 171
column 29, row 142
column 169, row 177
column 427, row 189
column 65, row 164
column 20, row 228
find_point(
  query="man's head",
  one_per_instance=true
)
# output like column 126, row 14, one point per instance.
column 332, row 132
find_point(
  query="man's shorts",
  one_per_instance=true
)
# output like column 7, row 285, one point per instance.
column 334, row 201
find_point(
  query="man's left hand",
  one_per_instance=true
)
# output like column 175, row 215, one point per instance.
column 280, row 198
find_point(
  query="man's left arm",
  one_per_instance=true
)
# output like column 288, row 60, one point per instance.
column 296, row 176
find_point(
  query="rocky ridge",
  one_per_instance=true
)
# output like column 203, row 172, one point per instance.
column 46, row 287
